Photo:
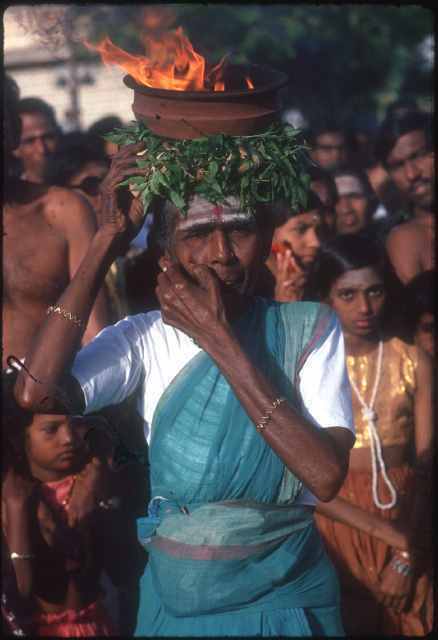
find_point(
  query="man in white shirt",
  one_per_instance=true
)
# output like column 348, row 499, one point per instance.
column 249, row 409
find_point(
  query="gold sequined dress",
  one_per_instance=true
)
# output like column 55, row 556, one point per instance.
column 359, row 557
column 394, row 402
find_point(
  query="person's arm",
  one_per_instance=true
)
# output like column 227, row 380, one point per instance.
column 17, row 498
column 318, row 458
column 59, row 337
column 401, row 247
column 395, row 587
column 76, row 221
column 342, row 511
column 420, row 515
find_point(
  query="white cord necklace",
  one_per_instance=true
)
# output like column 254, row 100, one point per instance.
column 370, row 416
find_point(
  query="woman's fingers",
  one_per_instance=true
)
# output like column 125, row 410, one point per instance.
column 128, row 149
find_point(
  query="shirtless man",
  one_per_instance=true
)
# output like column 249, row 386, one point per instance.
column 39, row 138
column 404, row 147
column 46, row 234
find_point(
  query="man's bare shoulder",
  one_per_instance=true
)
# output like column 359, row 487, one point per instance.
column 64, row 206
column 405, row 231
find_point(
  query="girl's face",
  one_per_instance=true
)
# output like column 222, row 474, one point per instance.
column 358, row 297
column 301, row 234
column 54, row 446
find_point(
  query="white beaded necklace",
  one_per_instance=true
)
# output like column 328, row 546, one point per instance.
column 370, row 416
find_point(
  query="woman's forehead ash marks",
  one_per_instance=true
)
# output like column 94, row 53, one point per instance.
column 205, row 213
column 349, row 184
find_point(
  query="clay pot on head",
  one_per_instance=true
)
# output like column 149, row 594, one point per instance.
column 193, row 114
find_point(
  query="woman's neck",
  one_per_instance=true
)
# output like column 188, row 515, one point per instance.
column 360, row 345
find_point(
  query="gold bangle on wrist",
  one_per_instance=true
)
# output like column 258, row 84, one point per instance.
column 268, row 415
column 65, row 314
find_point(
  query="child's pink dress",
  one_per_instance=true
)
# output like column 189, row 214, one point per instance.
column 92, row 620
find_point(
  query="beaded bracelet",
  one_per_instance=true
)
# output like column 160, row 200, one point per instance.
column 267, row 417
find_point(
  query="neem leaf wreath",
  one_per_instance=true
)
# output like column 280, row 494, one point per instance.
column 261, row 168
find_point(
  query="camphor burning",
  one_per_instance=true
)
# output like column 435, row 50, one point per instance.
column 170, row 62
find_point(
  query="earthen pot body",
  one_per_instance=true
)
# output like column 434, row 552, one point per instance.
column 193, row 114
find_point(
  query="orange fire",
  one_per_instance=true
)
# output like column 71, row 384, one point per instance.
column 170, row 63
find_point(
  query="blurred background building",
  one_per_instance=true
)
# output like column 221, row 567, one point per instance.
column 81, row 90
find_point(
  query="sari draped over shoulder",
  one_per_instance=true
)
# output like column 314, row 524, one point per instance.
column 223, row 533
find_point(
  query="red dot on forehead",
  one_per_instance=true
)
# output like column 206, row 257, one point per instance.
column 218, row 211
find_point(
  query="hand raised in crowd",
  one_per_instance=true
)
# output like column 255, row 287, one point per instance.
column 121, row 214
column 289, row 278
column 196, row 309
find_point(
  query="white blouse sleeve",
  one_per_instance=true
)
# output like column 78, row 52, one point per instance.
column 324, row 385
column 112, row 365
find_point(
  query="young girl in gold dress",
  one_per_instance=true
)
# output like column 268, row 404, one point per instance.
column 377, row 530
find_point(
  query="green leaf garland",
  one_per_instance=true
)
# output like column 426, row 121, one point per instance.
column 260, row 168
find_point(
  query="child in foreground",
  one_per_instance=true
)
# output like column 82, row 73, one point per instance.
column 52, row 509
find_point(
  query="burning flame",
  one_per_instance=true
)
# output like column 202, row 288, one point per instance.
column 170, row 63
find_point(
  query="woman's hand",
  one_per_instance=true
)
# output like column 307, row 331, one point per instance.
column 121, row 214
column 196, row 309
column 88, row 491
column 289, row 278
column 394, row 588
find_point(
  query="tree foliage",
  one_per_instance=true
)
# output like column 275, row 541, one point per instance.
column 341, row 59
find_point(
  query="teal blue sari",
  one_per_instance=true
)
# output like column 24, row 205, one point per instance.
column 229, row 552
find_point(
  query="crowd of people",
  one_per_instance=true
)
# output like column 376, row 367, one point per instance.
column 314, row 325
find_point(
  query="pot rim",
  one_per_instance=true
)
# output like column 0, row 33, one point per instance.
column 278, row 79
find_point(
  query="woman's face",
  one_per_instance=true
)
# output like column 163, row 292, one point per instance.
column 358, row 297
column 301, row 234
column 352, row 205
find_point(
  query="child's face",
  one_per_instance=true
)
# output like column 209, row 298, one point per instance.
column 54, row 446
column 358, row 297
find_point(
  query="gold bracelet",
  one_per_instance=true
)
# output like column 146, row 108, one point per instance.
column 21, row 556
column 267, row 417
column 65, row 314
